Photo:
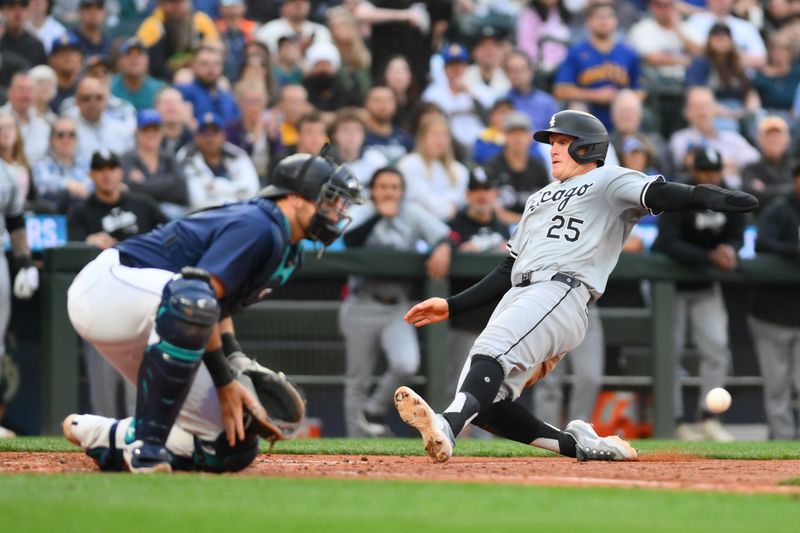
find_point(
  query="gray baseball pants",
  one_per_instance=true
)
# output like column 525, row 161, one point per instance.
column 704, row 311
column 778, row 350
column 586, row 364
column 369, row 326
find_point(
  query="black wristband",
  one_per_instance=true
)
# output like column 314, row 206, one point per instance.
column 230, row 344
column 218, row 367
column 23, row 261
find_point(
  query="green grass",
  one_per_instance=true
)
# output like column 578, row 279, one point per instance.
column 207, row 503
column 466, row 447
column 200, row 503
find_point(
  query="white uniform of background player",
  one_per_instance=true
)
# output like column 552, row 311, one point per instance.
column 568, row 241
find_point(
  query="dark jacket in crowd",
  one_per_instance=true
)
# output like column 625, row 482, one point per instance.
column 777, row 179
column 779, row 233
column 26, row 46
column 488, row 238
column 131, row 215
column 516, row 186
column 166, row 184
column 689, row 237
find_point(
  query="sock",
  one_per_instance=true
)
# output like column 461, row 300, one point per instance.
column 478, row 391
column 512, row 421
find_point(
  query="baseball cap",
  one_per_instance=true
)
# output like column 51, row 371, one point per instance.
column 65, row 42
column 99, row 61
column 772, row 123
column 502, row 102
column 148, row 117
column 104, row 159
column 208, row 120
column 479, row 180
column 130, row 44
column 98, row 3
column 488, row 32
column 633, row 144
column 323, row 51
column 290, row 38
column 719, row 27
column 707, row 158
column 455, row 53
column 517, row 120
column 23, row 3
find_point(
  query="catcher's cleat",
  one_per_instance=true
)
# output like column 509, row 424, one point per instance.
column 102, row 438
column 66, row 428
column 591, row 447
column 147, row 458
column 435, row 431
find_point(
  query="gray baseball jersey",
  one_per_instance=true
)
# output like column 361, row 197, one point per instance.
column 412, row 224
column 578, row 226
column 12, row 204
column 575, row 227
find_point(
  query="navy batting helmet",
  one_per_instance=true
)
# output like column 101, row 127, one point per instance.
column 591, row 137
column 318, row 179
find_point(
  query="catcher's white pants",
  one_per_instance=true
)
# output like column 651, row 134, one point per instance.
column 113, row 307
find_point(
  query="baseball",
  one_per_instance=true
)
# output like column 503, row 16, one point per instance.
column 718, row 400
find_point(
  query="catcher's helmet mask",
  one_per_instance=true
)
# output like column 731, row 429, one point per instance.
column 590, row 136
column 318, row 178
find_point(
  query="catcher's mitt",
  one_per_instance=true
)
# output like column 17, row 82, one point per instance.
column 283, row 405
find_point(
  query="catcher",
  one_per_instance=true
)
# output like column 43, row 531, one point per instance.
column 158, row 308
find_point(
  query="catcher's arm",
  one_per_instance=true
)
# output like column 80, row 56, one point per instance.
column 279, row 408
column 234, row 398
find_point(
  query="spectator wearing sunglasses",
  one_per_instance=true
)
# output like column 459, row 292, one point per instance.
column 62, row 177
column 98, row 129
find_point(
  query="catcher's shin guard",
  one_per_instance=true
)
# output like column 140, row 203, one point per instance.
column 184, row 322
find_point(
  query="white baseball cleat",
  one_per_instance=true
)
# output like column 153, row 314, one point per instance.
column 712, row 429
column 592, row 447
column 435, row 430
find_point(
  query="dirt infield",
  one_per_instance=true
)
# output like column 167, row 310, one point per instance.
column 656, row 471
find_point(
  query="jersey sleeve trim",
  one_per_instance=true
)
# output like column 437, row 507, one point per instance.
column 644, row 193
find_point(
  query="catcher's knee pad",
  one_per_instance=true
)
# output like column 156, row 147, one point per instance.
column 187, row 314
column 219, row 456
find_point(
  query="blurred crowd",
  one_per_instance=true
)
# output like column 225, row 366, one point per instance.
column 123, row 114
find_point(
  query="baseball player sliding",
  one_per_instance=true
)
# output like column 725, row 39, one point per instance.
column 560, row 256
column 158, row 308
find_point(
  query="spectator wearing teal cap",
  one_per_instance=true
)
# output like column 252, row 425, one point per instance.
column 132, row 81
